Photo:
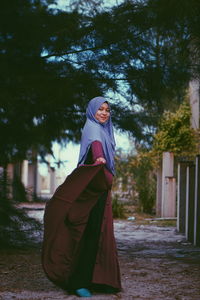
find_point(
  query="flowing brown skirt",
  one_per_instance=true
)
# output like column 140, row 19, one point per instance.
column 79, row 246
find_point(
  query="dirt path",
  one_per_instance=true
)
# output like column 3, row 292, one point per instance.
column 156, row 263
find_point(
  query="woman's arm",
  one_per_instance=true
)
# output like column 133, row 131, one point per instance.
column 98, row 156
column 97, row 152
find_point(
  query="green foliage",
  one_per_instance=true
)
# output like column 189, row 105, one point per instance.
column 135, row 172
column 118, row 208
column 145, row 181
column 175, row 133
column 42, row 99
column 123, row 184
column 52, row 62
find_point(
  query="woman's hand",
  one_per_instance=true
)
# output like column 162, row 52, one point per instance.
column 101, row 159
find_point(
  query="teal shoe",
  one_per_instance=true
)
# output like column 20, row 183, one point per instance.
column 83, row 293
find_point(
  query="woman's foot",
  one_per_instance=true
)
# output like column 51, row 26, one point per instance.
column 83, row 292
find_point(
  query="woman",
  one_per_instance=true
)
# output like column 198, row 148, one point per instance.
column 79, row 250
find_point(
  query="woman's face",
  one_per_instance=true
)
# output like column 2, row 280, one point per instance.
column 103, row 113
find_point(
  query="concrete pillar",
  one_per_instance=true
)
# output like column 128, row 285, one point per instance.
column 10, row 176
column 159, row 192
column 10, row 172
column 37, row 180
column 181, row 197
column 169, row 203
column 194, row 102
column 24, row 175
column 52, row 180
column 33, row 177
column 168, row 164
column 190, row 192
column 168, row 208
column 187, row 202
column 197, row 203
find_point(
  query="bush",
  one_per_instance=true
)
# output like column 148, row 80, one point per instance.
column 145, row 181
column 175, row 133
column 118, row 208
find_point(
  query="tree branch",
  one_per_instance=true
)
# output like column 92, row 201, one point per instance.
column 71, row 52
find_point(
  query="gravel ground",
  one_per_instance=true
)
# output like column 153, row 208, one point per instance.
column 156, row 263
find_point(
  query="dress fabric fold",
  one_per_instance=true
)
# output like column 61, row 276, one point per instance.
column 78, row 245
column 65, row 219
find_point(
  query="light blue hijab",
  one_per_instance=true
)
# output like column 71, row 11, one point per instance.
column 93, row 130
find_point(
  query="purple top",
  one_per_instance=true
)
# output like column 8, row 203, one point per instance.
column 93, row 130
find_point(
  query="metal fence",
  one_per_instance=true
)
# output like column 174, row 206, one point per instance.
column 188, row 200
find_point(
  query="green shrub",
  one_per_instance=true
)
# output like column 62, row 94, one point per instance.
column 175, row 133
column 118, row 208
column 145, row 181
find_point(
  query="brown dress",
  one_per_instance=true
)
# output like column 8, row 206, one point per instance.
column 79, row 248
